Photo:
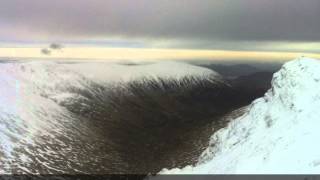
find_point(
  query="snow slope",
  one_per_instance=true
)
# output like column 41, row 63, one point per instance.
column 37, row 135
column 279, row 133
column 110, row 72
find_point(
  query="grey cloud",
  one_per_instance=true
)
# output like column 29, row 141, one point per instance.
column 193, row 20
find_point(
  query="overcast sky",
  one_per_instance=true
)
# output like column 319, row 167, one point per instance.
column 265, row 25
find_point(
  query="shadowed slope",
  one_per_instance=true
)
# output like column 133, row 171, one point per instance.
column 150, row 121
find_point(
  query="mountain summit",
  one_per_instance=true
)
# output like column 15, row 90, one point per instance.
column 278, row 134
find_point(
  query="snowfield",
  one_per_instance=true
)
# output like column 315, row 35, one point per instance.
column 279, row 133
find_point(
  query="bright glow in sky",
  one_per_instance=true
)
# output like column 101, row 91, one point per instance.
column 150, row 54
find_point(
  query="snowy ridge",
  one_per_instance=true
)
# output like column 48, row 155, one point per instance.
column 277, row 135
column 110, row 72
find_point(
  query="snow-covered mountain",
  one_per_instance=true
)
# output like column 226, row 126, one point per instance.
column 39, row 134
column 278, row 134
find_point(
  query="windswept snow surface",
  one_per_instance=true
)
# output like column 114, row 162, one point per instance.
column 37, row 135
column 279, row 133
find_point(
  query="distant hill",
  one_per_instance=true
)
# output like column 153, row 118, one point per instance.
column 236, row 70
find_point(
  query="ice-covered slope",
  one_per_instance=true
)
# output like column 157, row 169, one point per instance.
column 278, row 134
